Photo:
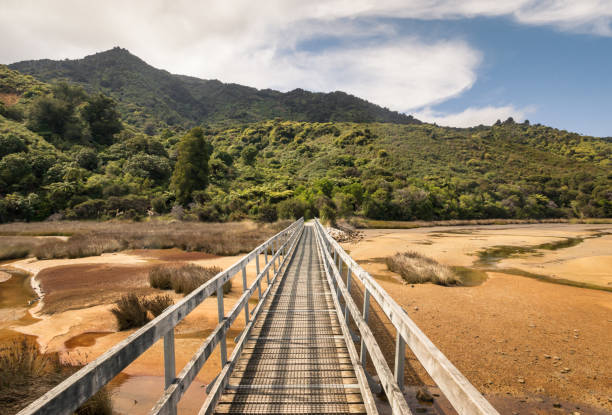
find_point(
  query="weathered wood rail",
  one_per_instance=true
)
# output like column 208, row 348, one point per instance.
column 296, row 353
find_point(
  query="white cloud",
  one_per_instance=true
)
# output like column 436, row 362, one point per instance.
column 257, row 43
column 473, row 116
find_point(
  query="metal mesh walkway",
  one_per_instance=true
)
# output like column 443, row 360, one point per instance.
column 296, row 360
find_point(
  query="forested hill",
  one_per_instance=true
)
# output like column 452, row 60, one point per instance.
column 152, row 97
column 66, row 153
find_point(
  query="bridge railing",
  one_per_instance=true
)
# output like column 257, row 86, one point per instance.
column 462, row 395
column 75, row 390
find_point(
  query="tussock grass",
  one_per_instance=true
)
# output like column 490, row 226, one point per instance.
column 156, row 305
column 26, row 374
column 132, row 310
column 416, row 268
column 15, row 247
column 160, row 277
column 95, row 238
column 183, row 279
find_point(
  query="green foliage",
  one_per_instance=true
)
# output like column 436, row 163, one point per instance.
column 101, row 114
column 248, row 154
column 288, row 169
column 191, row 170
column 151, row 97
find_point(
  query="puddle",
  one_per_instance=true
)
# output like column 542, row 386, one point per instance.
column 470, row 277
column 136, row 395
column 86, row 339
column 16, row 291
column 491, row 256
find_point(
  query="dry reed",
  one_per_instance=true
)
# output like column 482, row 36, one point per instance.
column 183, row 279
column 416, row 268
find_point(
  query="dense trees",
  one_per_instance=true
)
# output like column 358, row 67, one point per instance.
column 74, row 161
column 101, row 114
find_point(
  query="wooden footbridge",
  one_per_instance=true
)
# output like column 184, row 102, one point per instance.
column 303, row 349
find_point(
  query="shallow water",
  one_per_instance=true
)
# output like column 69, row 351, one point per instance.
column 136, row 395
column 86, row 339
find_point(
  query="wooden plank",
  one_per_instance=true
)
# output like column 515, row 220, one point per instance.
column 292, row 408
column 292, row 347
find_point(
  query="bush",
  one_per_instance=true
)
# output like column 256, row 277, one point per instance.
column 158, row 304
column 160, row 277
column 26, row 373
column 185, row 278
column 268, row 213
column 132, row 310
column 416, row 268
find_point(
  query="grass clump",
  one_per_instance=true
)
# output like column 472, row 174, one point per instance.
column 26, row 374
column 416, row 268
column 183, row 279
column 160, row 277
column 132, row 310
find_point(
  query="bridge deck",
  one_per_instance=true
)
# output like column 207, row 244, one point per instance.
column 296, row 360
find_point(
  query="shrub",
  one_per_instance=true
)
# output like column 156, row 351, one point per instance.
column 26, row 373
column 416, row 268
column 160, row 277
column 183, row 279
column 158, row 304
column 130, row 311
column 268, row 213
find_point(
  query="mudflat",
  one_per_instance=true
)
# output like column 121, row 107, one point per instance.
column 511, row 336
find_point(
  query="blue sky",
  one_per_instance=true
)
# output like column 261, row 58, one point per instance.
column 457, row 63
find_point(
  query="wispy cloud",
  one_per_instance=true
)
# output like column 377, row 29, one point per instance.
column 473, row 116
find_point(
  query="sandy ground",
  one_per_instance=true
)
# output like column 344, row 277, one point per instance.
column 589, row 261
column 512, row 337
column 4, row 276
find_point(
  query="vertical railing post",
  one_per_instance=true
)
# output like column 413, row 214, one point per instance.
column 257, row 276
column 169, row 361
column 244, row 288
column 348, row 287
column 169, row 365
column 266, row 261
column 400, row 353
column 221, row 313
column 366, row 312
column 274, row 253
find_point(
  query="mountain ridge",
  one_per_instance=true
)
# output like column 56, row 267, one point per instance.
column 149, row 95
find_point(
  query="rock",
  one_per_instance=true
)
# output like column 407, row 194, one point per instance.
column 423, row 395
column 565, row 370
column 521, row 380
column 547, row 356
column 557, row 358
column 416, row 308
column 575, row 413
column 557, row 405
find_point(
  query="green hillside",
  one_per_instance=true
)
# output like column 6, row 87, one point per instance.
column 65, row 152
column 155, row 98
